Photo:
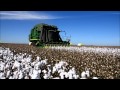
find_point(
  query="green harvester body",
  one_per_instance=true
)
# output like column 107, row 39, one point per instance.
column 46, row 35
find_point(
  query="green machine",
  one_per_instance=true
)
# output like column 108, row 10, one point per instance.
column 46, row 35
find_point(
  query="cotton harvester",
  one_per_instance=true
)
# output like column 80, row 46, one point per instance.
column 46, row 35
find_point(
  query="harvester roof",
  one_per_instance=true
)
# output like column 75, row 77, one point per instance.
column 43, row 24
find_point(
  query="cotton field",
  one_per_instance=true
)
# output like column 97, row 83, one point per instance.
column 21, row 66
column 19, row 61
column 109, row 51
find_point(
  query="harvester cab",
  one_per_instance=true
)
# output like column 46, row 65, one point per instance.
column 44, row 34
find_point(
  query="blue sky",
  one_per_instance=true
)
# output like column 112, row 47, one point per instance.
column 87, row 27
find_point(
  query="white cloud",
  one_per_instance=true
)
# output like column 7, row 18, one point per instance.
column 24, row 15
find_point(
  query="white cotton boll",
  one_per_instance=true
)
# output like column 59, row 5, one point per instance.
column 26, row 77
column 83, row 74
column 28, row 59
column 8, row 74
column 56, row 78
column 44, row 62
column 25, row 54
column 0, row 54
column 2, row 66
column 32, row 51
column 15, row 57
column 7, row 66
column 49, row 70
column 23, row 61
column 37, row 65
column 44, row 71
column 83, row 78
column 45, row 76
column 1, row 75
column 73, row 71
column 31, row 72
column 76, row 76
column 62, row 75
column 19, row 58
column 16, row 76
column 11, row 77
column 48, row 65
column 7, row 59
column 33, row 63
column 27, row 70
column 38, row 58
column 61, row 63
column 66, row 74
column 35, row 75
column 58, row 66
column 64, row 68
column 70, row 76
column 27, row 67
column 54, row 70
column 60, row 70
column 49, row 75
column 4, row 57
column 20, row 75
column 39, row 71
column 2, row 78
column 94, row 78
column 16, row 65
